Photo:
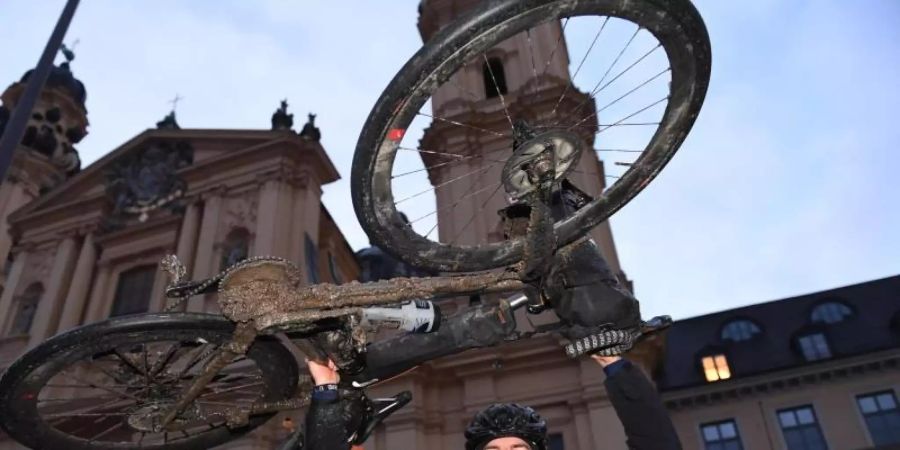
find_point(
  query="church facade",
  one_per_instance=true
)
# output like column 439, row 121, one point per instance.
column 79, row 245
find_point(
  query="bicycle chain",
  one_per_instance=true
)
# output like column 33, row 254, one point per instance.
column 175, row 268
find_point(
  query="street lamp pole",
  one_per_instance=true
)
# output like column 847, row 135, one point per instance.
column 15, row 128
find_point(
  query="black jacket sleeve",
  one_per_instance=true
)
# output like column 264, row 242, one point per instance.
column 326, row 426
column 647, row 424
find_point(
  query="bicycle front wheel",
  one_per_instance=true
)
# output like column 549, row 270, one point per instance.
column 640, row 74
column 107, row 385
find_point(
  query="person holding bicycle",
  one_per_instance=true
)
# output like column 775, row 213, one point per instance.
column 592, row 305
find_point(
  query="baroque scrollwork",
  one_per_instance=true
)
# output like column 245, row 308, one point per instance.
column 147, row 180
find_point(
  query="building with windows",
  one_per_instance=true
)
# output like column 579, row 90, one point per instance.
column 79, row 244
column 818, row 371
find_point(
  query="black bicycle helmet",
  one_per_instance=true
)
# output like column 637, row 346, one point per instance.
column 506, row 420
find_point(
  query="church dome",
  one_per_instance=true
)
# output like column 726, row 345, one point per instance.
column 61, row 76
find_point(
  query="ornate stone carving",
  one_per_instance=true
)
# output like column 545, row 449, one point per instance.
column 281, row 120
column 240, row 211
column 310, row 131
column 37, row 267
column 168, row 122
column 147, row 179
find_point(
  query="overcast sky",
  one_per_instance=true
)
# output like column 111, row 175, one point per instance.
column 787, row 184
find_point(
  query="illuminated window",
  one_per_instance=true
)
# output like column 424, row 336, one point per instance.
column 882, row 416
column 814, row 347
column 739, row 330
column 831, row 312
column 715, row 367
column 721, row 436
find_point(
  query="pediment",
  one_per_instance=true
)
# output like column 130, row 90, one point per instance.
column 128, row 176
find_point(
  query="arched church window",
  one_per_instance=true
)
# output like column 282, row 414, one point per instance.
column 26, row 306
column 494, row 78
column 134, row 290
column 830, row 312
column 739, row 330
column 236, row 247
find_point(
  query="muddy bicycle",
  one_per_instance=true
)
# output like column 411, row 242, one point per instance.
column 177, row 380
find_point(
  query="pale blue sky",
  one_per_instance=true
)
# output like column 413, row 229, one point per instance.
column 787, row 184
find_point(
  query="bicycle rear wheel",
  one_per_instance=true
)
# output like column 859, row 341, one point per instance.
column 470, row 139
column 104, row 386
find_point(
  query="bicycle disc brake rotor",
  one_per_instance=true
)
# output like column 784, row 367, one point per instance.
column 556, row 151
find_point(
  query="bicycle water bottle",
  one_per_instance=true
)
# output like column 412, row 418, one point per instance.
column 416, row 316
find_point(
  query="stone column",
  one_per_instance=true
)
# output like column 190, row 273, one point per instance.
column 267, row 218
column 12, row 197
column 73, row 309
column 9, row 291
column 187, row 237
column 203, row 263
column 583, row 430
column 603, row 417
column 47, row 315
column 97, row 307
column 305, row 219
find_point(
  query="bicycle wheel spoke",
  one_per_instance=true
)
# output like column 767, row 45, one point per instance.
column 499, row 93
column 559, row 39
column 628, row 124
column 103, row 388
column 431, row 152
column 128, row 362
column 531, row 54
column 232, row 389
column 460, row 124
column 164, row 359
column 115, row 427
column 446, row 163
column 593, row 92
column 472, row 219
column 618, row 122
column 580, row 64
column 633, row 90
column 461, row 88
column 458, row 201
column 630, row 66
column 444, row 183
column 618, row 150
column 466, row 195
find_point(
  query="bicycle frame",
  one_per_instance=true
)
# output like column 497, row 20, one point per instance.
column 263, row 297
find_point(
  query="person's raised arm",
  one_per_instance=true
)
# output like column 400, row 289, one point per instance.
column 638, row 405
column 326, row 426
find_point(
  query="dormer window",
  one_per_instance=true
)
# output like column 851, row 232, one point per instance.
column 739, row 330
column 715, row 367
column 814, row 346
column 830, row 312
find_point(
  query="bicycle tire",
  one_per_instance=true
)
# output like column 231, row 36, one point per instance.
column 675, row 23
column 21, row 383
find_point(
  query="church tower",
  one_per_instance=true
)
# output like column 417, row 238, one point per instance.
column 526, row 77
column 46, row 155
